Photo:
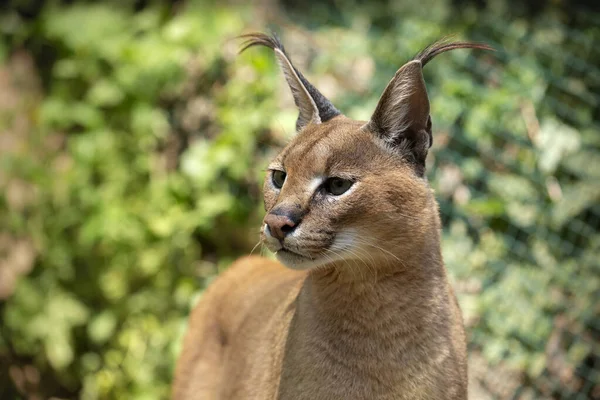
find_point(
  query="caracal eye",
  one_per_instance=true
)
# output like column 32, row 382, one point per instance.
column 278, row 178
column 337, row 186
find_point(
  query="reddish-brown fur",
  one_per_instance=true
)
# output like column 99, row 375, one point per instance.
column 364, row 310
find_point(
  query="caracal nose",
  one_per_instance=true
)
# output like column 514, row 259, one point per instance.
column 279, row 225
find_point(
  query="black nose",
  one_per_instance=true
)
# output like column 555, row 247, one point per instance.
column 282, row 222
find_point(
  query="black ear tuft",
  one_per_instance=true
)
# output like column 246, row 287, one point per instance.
column 444, row 45
column 298, row 83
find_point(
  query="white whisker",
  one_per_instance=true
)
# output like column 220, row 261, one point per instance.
column 255, row 246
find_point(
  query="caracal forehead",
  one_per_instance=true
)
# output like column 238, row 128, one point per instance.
column 340, row 145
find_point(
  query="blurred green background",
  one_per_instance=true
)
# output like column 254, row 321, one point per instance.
column 133, row 139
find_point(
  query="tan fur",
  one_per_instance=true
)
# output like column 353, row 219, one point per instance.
column 364, row 311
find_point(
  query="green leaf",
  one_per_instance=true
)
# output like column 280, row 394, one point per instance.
column 575, row 198
column 556, row 140
column 102, row 326
column 59, row 351
column 485, row 207
column 105, row 93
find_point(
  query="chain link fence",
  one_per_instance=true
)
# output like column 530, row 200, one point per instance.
column 527, row 193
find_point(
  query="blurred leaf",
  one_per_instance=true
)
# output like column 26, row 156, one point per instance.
column 575, row 199
column 102, row 326
column 556, row 140
column 105, row 93
column 486, row 207
column 584, row 163
column 59, row 350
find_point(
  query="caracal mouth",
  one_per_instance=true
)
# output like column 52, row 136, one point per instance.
column 285, row 254
column 283, row 250
column 297, row 261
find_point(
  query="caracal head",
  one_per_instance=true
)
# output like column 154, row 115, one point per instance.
column 346, row 193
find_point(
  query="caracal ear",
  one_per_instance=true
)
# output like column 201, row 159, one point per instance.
column 313, row 107
column 401, row 117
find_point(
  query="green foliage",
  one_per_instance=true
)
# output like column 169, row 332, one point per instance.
column 119, row 222
column 143, row 165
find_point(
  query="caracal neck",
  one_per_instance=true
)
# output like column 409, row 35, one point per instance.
column 352, row 336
